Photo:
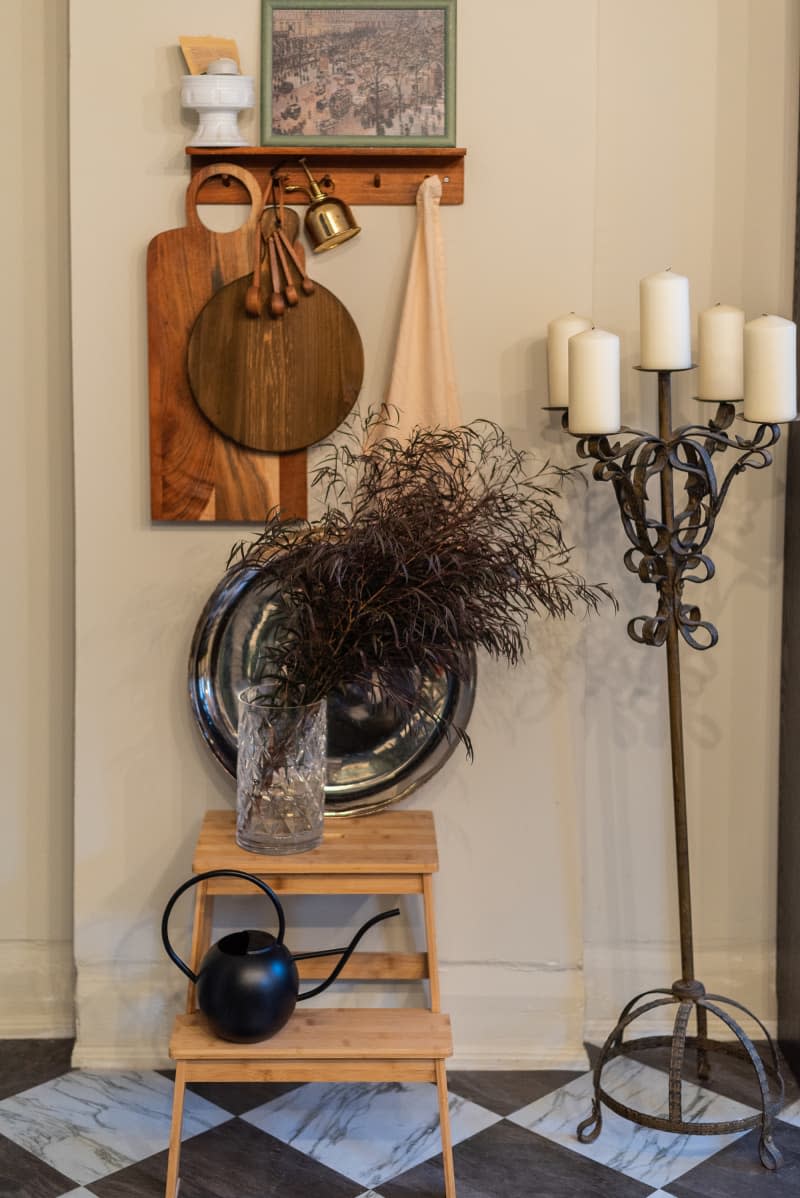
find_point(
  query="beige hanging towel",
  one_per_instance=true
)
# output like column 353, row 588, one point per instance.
column 423, row 382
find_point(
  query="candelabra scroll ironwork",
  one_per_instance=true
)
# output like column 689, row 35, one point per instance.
column 669, row 553
column 668, row 550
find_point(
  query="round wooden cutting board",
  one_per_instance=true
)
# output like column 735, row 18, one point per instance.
column 275, row 384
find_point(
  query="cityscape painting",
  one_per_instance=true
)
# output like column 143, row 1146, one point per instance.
column 374, row 72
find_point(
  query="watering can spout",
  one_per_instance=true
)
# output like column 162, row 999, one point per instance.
column 345, row 953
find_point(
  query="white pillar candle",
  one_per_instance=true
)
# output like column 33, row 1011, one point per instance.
column 721, row 350
column 770, row 370
column 664, row 320
column 559, row 332
column 594, row 406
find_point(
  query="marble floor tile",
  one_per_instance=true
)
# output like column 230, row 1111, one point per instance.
column 77, row 1135
column 25, row 1176
column 652, row 1157
column 738, row 1173
column 235, row 1160
column 87, row 1125
column 508, row 1162
column 505, row 1091
column 791, row 1113
column 367, row 1132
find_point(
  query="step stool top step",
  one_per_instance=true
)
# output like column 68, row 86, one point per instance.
column 391, row 842
column 354, row 1033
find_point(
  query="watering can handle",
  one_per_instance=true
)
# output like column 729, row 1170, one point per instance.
column 216, row 873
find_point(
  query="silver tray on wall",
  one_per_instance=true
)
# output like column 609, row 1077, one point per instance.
column 374, row 757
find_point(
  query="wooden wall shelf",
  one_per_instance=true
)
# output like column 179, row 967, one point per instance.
column 360, row 175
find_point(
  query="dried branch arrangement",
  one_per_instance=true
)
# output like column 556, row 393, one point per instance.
column 425, row 550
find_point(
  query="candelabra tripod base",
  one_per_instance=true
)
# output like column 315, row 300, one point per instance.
column 692, row 1002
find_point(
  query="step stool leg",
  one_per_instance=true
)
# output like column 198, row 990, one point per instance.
column 430, row 937
column 444, row 1131
column 174, row 1157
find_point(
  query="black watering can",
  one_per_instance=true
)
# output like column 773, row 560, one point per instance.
column 247, row 983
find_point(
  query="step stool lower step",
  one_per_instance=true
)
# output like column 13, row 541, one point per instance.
column 327, row 1044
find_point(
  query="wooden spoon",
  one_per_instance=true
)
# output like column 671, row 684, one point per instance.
column 306, row 284
column 252, row 300
column 277, row 307
column 290, row 291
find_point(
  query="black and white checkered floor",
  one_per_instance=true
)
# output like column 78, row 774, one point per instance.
column 77, row 1133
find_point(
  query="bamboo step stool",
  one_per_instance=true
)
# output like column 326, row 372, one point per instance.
column 387, row 854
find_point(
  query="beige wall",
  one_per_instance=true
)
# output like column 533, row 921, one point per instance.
column 36, row 600
column 606, row 138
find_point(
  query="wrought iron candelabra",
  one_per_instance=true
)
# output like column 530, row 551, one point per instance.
column 668, row 550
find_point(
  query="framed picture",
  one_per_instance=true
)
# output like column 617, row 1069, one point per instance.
column 358, row 72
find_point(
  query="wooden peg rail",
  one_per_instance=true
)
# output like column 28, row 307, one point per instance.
column 360, row 175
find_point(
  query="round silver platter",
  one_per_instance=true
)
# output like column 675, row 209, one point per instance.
column 375, row 757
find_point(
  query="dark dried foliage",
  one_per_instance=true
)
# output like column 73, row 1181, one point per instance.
column 425, row 550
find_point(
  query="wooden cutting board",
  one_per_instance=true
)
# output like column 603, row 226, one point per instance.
column 275, row 383
column 196, row 473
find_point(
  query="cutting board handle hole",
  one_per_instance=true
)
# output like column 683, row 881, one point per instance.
column 223, row 218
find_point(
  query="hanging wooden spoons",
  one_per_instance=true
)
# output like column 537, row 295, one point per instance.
column 306, row 283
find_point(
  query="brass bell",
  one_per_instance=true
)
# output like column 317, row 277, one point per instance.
column 329, row 221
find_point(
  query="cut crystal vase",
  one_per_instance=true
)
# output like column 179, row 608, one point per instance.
column 280, row 774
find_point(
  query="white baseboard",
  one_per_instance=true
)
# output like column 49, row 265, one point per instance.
column 42, row 1025
column 37, row 991
column 119, row 1057
column 597, row 1030
column 514, row 1016
column 504, row 1017
column 615, row 973
column 565, row 1059
column 124, row 1014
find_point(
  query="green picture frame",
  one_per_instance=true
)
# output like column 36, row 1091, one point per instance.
column 358, row 72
